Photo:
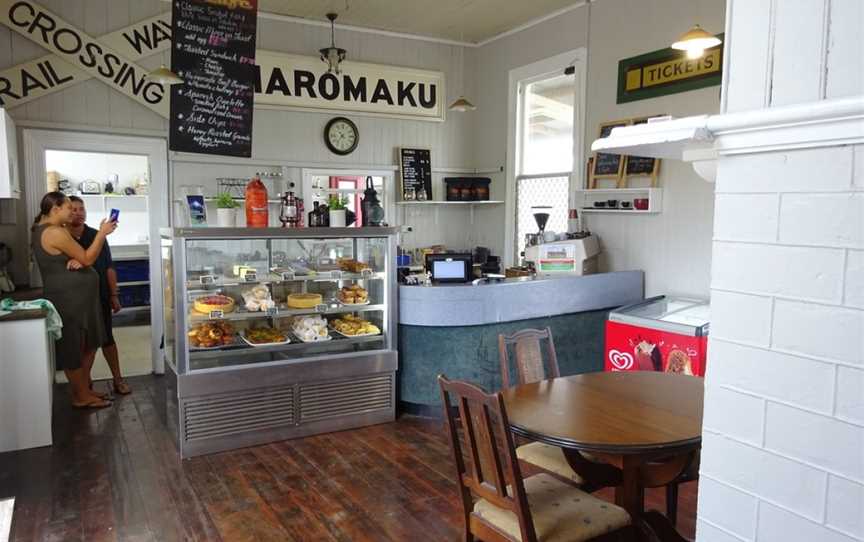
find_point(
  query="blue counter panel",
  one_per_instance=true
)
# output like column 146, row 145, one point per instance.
column 471, row 353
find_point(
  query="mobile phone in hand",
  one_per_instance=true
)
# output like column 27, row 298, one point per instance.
column 114, row 216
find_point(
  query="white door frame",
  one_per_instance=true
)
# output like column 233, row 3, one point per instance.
column 36, row 142
column 578, row 58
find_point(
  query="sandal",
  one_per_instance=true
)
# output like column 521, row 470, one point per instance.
column 99, row 394
column 92, row 405
column 121, row 387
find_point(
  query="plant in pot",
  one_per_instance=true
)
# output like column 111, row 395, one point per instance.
column 338, row 211
column 226, row 210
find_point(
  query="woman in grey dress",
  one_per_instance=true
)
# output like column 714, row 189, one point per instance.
column 73, row 287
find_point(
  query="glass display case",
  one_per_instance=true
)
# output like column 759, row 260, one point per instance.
column 277, row 333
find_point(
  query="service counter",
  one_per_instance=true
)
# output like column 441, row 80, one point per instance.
column 453, row 329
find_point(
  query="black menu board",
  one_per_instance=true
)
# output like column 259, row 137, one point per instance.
column 416, row 168
column 605, row 164
column 214, row 52
column 640, row 165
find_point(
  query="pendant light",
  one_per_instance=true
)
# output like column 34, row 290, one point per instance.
column 164, row 76
column 333, row 55
column 695, row 41
column 462, row 104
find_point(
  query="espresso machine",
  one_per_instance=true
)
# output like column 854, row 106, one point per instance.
column 574, row 254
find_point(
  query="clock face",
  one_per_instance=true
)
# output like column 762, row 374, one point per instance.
column 341, row 135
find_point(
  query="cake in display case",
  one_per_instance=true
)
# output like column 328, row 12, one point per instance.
column 277, row 333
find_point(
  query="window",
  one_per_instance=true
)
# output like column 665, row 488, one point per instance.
column 545, row 151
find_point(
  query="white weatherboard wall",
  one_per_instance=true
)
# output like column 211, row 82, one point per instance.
column 279, row 136
column 783, row 452
column 674, row 247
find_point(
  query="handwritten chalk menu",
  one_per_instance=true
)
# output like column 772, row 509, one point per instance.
column 213, row 50
column 416, row 168
column 641, row 165
column 605, row 164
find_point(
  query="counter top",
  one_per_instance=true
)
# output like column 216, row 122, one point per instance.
column 519, row 299
column 30, row 314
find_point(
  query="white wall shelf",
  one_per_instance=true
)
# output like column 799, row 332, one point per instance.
column 429, row 202
column 585, row 200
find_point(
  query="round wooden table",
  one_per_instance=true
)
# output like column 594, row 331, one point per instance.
column 647, row 424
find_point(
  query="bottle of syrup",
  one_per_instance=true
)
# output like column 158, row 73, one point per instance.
column 257, row 212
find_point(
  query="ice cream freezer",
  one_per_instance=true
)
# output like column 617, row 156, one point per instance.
column 662, row 333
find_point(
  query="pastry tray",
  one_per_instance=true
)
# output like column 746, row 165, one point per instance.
column 219, row 347
column 257, row 345
column 367, row 302
column 334, row 330
column 329, row 338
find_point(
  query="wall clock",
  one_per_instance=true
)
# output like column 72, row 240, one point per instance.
column 341, row 136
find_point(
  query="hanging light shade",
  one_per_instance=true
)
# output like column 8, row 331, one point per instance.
column 164, row 76
column 333, row 55
column 695, row 41
column 462, row 104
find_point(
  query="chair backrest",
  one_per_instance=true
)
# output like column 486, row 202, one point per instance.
column 490, row 451
column 529, row 356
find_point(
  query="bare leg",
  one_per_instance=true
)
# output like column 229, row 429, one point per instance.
column 113, row 358
column 87, row 359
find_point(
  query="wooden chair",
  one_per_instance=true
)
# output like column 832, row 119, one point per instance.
column 530, row 367
column 508, row 508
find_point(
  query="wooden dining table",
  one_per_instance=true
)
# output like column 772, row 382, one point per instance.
column 631, row 430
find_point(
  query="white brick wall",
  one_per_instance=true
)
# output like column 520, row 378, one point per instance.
column 783, row 450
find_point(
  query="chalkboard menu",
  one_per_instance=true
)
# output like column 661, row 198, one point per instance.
column 214, row 52
column 641, row 165
column 416, row 168
column 605, row 164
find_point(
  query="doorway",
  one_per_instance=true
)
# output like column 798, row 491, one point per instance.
column 128, row 174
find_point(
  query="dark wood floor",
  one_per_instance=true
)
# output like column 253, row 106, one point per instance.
column 114, row 474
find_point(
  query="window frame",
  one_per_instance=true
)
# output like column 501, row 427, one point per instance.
column 518, row 79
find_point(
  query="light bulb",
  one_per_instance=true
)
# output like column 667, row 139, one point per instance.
column 695, row 53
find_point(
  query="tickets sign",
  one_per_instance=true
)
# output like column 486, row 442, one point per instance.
column 667, row 71
column 284, row 80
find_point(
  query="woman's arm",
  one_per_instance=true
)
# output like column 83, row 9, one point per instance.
column 60, row 239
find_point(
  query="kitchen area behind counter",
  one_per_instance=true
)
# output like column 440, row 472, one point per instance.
column 453, row 329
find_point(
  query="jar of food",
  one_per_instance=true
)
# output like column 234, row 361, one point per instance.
column 466, row 191
column 480, row 188
column 454, row 188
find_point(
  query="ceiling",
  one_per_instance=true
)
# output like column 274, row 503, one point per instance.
column 461, row 20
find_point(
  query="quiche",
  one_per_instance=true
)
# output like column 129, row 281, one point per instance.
column 213, row 303
column 304, row 301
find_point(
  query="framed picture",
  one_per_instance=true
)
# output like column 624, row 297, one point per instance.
column 606, row 165
column 636, row 166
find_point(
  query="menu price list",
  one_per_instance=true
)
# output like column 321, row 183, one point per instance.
column 214, row 52
column 416, row 168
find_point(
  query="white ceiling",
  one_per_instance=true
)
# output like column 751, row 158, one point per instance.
column 461, row 20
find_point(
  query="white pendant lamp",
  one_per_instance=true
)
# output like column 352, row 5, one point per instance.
column 462, row 104
column 695, row 41
column 164, row 76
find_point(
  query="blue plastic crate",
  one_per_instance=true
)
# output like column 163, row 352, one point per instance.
column 132, row 270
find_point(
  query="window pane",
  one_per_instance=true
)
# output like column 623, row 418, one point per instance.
column 548, row 126
column 552, row 191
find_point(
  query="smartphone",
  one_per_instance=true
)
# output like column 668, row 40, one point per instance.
column 114, row 216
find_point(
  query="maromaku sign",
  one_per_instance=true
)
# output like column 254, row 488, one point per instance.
column 667, row 71
column 285, row 80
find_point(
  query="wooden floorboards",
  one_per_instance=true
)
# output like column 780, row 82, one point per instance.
column 115, row 475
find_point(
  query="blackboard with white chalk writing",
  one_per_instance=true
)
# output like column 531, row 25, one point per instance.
column 605, row 164
column 416, row 168
column 214, row 53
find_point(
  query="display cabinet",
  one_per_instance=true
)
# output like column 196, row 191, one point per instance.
column 277, row 333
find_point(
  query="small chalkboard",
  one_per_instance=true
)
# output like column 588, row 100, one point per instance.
column 642, row 165
column 415, row 166
column 214, row 53
column 608, row 166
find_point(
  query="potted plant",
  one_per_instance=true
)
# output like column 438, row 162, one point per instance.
column 337, row 204
column 226, row 210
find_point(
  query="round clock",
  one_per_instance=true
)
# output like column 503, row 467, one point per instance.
column 341, row 135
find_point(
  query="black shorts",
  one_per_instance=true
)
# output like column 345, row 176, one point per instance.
column 107, row 317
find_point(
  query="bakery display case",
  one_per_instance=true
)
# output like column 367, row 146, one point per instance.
column 275, row 333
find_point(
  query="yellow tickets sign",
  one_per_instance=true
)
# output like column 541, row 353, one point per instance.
column 667, row 71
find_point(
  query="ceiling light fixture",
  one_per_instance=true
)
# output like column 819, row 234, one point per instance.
column 462, row 104
column 164, row 76
column 695, row 41
column 333, row 55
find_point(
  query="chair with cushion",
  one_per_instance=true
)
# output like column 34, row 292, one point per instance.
column 531, row 367
column 498, row 505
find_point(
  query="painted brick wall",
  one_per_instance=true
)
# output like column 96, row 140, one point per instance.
column 783, row 456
